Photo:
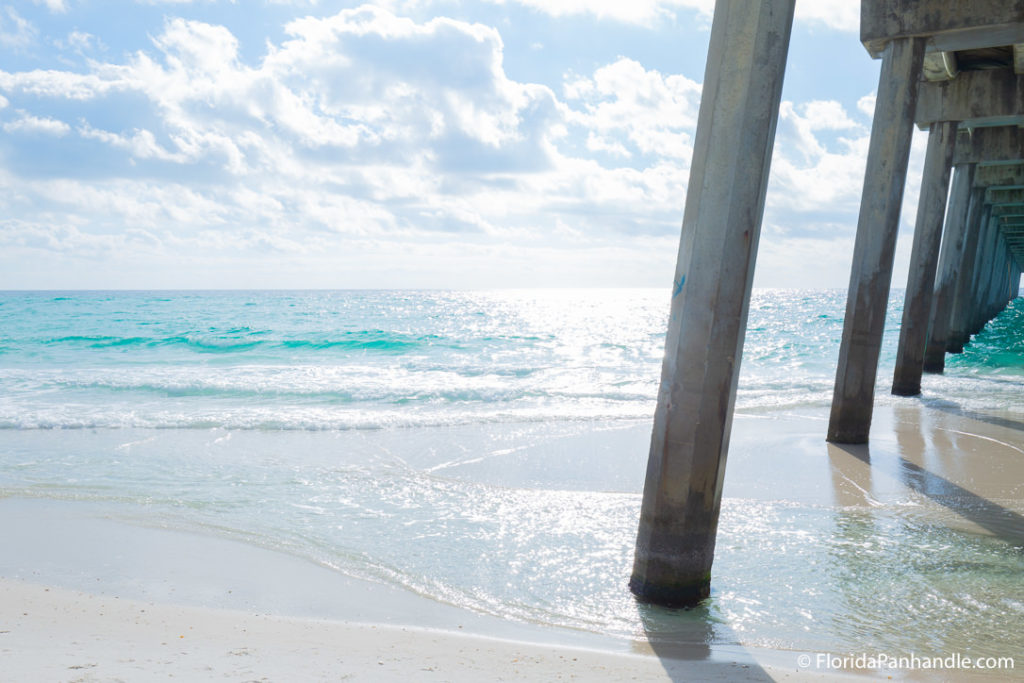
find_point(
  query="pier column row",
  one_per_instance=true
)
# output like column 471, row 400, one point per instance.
column 993, row 293
column 924, row 257
column 987, row 305
column 877, row 226
column 964, row 300
column 988, row 278
column 711, row 296
column 950, row 261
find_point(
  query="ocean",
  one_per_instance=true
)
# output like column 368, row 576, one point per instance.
column 487, row 450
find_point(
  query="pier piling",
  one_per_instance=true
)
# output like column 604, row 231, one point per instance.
column 950, row 66
column 874, row 249
column 950, row 259
column 924, row 257
column 711, row 295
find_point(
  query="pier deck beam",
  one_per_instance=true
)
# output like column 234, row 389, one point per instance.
column 874, row 249
column 714, row 273
column 950, row 261
column 924, row 257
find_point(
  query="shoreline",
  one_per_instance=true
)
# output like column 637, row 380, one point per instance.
column 89, row 595
column 169, row 602
column 73, row 636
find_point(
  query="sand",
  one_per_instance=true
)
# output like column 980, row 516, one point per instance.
column 85, row 596
column 63, row 635
column 98, row 599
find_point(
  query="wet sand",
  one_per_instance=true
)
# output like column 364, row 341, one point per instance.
column 87, row 596
column 97, row 599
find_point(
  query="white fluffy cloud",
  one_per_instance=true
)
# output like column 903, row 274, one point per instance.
column 655, row 113
column 26, row 123
column 354, row 126
column 365, row 132
column 812, row 174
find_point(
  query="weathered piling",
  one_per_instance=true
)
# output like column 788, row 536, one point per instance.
column 972, row 74
column 721, row 227
column 950, row 260
column 977, row 220
column 924, row 257
column 874, row 249
column 711, row 295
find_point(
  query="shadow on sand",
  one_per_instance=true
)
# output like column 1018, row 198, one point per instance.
column 998, row 520
column 683, row 640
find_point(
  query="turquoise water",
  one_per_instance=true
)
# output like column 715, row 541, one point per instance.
column 343, row 360
column 487, row 450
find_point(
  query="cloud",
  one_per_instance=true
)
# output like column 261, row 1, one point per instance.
column 79, row 41
column 55, row 84
column 366, row 132
column 811, row 174
column 866, row 104
column 384, row 122
column 841, row 15
column 141, row 144
column 656, row 113
column 53, row 5
column 26, row 123
column 642, row 12
column 15, row 32
column 827, row 115
column 363, row 125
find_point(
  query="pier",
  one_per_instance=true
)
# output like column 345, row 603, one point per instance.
column 951, row 68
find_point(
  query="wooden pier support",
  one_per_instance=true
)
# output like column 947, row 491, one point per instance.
column 924, row 257
column 948, row 275
column 711, row 296
column 877, row 226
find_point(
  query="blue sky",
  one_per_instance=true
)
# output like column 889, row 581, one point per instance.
column 406, row 143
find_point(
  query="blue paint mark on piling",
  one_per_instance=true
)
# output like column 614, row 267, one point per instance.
column 679, row 286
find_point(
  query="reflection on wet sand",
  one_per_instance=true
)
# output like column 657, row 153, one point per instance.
column 928, row 535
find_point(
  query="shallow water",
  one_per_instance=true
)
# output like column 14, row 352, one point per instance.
column 488, row 450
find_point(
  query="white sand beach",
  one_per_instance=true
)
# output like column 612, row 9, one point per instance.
column 152, row 604
column 66, row 635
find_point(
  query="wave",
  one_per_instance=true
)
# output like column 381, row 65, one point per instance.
column 336, row 362
column 241, row 340
column 316, row 420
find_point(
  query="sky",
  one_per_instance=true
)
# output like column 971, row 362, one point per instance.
column 177, row 144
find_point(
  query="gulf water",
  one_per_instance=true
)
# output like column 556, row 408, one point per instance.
column 487, row 449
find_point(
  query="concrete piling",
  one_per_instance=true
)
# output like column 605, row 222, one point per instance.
column 950, row 259
column 711, row 295
column 963, row 301
column 873, row 252
column 962, row 273
column 924, row 257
